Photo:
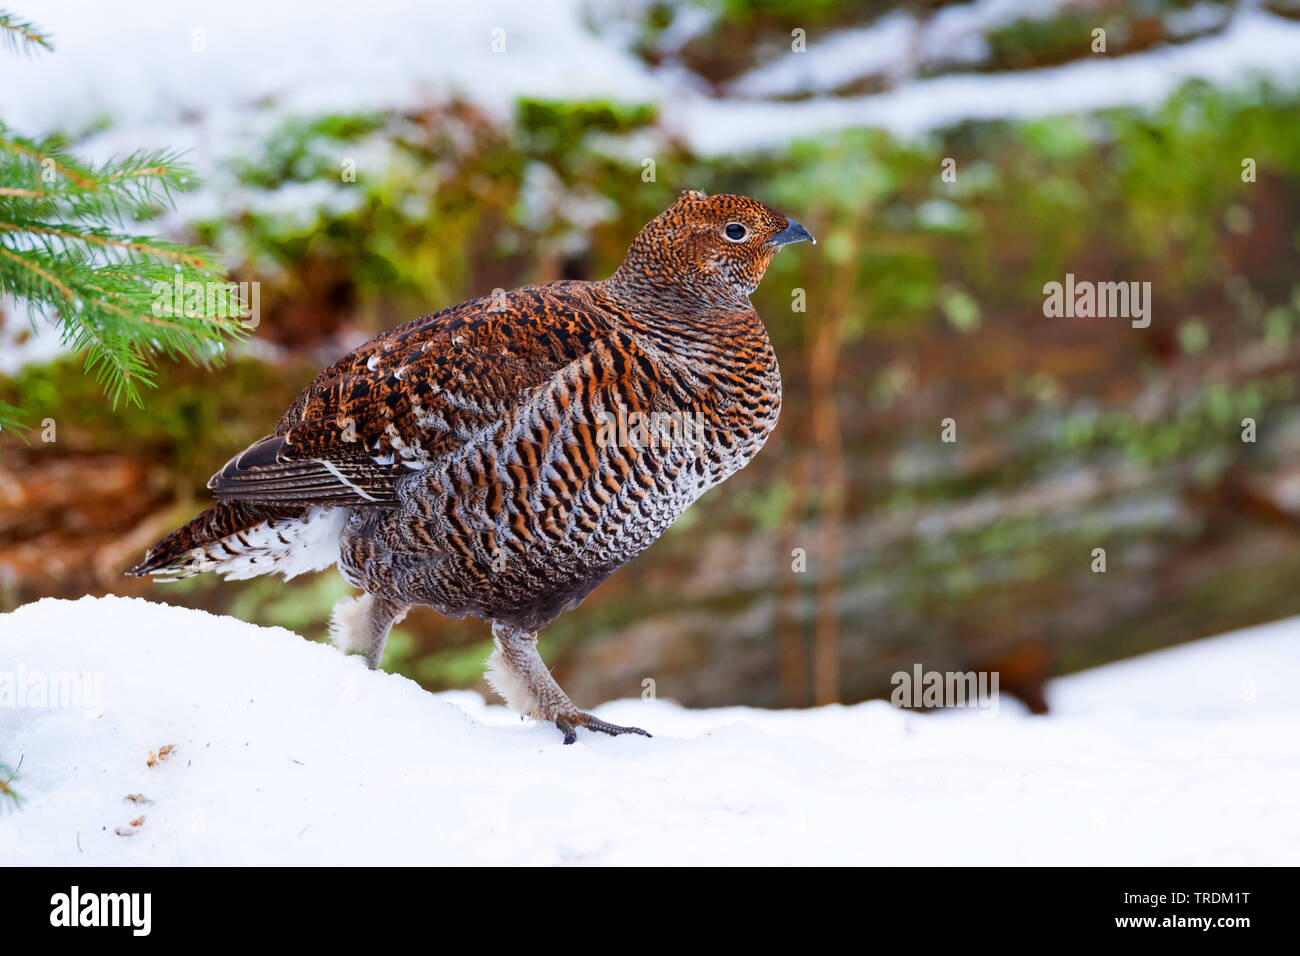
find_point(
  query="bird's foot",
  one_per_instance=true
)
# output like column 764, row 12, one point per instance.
column 570, row 723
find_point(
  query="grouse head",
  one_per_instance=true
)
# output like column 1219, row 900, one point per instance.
column 709, row 249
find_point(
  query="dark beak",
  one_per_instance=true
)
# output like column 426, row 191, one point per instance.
column 793, row 232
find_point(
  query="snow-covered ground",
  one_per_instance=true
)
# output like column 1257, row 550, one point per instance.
column 287, row 752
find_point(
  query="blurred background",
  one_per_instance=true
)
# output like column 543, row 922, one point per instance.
column 498, row 143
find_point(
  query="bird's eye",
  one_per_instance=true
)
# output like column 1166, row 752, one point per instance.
column 735, row 231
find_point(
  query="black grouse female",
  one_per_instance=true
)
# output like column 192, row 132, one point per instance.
column 502, row 457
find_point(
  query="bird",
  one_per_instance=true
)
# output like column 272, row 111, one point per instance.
column 501, row 458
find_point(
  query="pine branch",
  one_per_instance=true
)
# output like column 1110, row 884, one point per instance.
column 9, row 796
column 136, row 187
column 65, row 251
column 122, row 299
column 107, row 240
column 112, row 311
column 21, row 36
column 10, row 422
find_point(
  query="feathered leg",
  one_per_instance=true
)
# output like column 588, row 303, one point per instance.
column 516, row 672
column 361, row 625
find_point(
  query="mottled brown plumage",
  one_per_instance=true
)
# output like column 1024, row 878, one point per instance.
column 502, row 457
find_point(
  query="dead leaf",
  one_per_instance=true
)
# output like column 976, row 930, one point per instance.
column 162, row 754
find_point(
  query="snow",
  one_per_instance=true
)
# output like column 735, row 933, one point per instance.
column 1255, row 44
column 287, row 752
column 844, row 56
column 895, row 44
column 149, row 59
column 161, row 92
column 898, row 43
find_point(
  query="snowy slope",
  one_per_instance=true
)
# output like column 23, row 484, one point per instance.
column 288, row 752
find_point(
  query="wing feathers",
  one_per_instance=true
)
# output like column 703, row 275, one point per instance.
column 265, row 472
column 415, row 394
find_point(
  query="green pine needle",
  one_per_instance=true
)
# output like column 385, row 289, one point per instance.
column 20, row 36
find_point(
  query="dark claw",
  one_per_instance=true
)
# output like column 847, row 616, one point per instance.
column 569, row 727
